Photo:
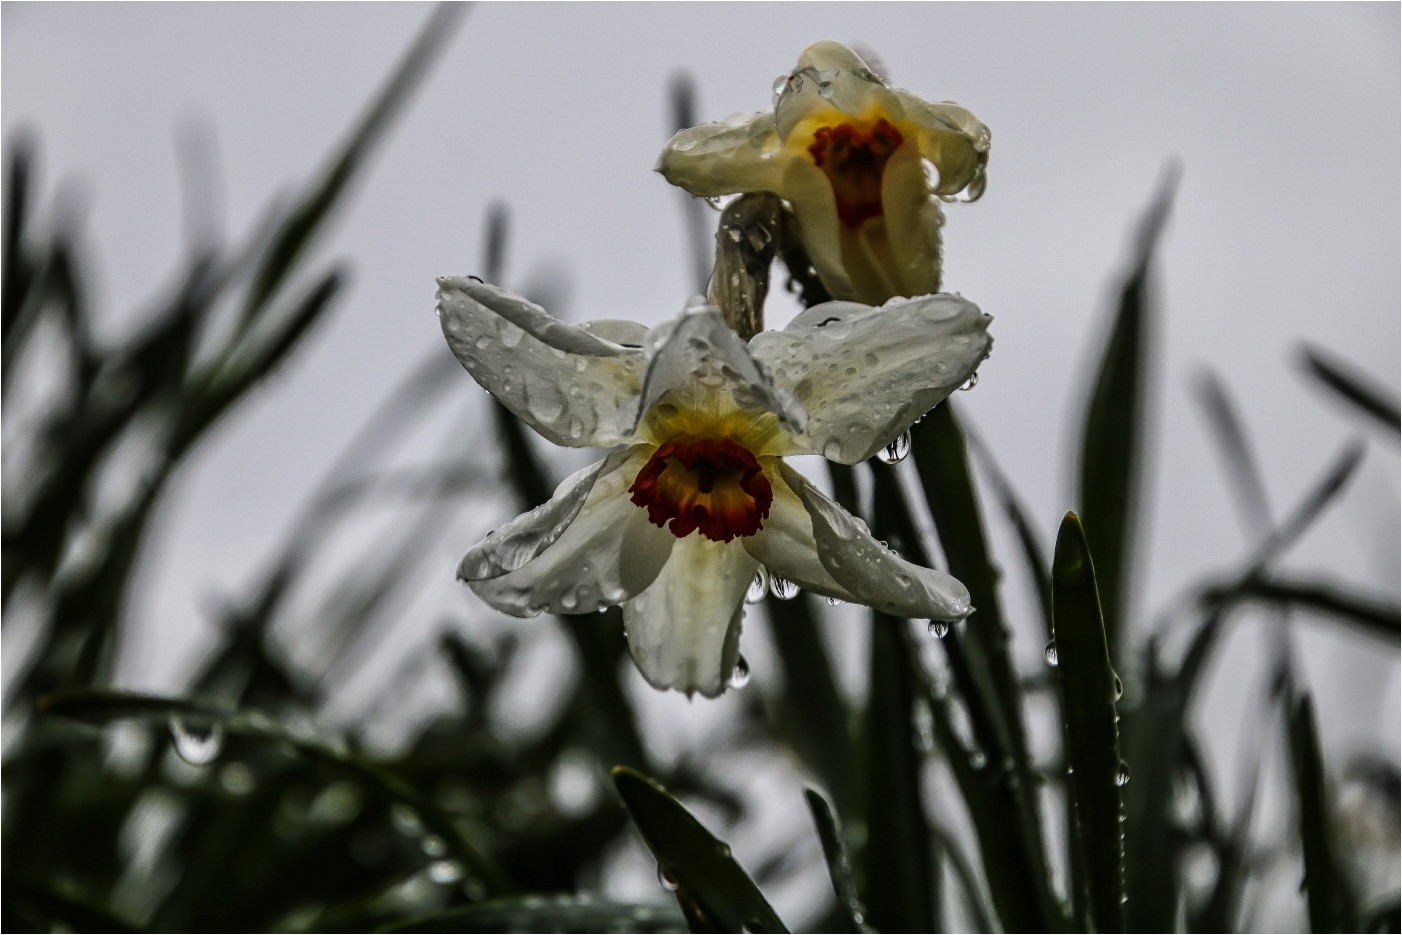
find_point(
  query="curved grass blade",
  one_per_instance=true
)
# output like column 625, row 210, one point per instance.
column 899, row 860
column 44, row 906
column 1331, row 904
column 1088, row 697
column 297, row 230
column 1112, row 436
column 1366, row 396
column 835, row 853
column 714, row 892
column 547, row 914
column 1374, row 616
column 100, row 708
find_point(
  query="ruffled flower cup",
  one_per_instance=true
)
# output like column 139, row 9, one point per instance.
column 861, row 164
column 675, row 522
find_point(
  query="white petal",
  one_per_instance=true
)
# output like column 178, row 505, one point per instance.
column 697, row 360
column 589, row 547
column 954, row 140
column 785, row 544
column 874, row 574
column 867, row 374
column 830, row 76
column 809, row 190
column 736, row 154
column 684, row 630
column 912, row 221
column 574, row 387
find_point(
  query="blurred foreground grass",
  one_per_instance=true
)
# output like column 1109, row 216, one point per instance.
column 234, row 809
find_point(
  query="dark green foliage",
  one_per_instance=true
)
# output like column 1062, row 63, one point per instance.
column 928, row 807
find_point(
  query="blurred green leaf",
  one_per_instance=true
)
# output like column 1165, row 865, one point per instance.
column 835, row 854
column 1112, row 436
column 1352, row 387
column 547, row 914
column 715, row 894
column 1088, row 696
column 1374, row 616
column 1331, row 903
column 901, row 883
column 32, row 906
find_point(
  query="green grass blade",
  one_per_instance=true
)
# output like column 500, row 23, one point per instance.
column 1112, row 435
column 1331, row 904
column 100, row 708
column 813, row 715
column 899, row 860
column 835, row 853
column 712, row 889
column 1359, row 391
column 547, row 914
column 1088, row 697
column 296, row 232
column 1373, row 616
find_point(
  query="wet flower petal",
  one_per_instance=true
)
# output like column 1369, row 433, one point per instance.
column 874, row 574
column 587, row 548
column 867, row 374
column 787, row 548
column 684, row 630
column 570, row 384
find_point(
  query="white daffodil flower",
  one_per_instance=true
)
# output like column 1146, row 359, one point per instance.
column 860, row 162
column 676, row 521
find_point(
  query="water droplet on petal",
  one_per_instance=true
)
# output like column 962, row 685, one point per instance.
column 971, row 382
column 759, row 587
column 835, row 602
column 897, row 451
column 1122, row 774
column 1049, row 654
column 782, row 588
column 740, row 675
column 939, row 629
column 665, row 880
column 197, row 744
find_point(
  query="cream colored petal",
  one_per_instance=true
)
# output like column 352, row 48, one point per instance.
column 867, row 374
column 785, row 544
column 874, row 574
column 738, row 154
column 588, row 548
column 954, row 140
column 570, row 385
column 684, row 630
column 698, row 362
column 807, row 188
column 912, row 222
column 830, row 76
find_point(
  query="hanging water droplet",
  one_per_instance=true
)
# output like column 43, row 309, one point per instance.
column 835, row 602
column 406, row 820
column 445, row 871
column 1119, row 688
column 740, row 675
column 1049, row 654
column 897, row 451
column 782, row 588
column 971, row 382
column 196, row 744
column 978, row 759
column 939, row 629
column 758, row 588
column 433, row 845
column 665, row 880
column 1122, row 774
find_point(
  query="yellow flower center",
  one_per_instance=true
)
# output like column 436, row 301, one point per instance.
column 853, row 156
column 703, row 483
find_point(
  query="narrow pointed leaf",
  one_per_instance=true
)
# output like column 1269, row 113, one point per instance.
column 835, row 853
column 716, row 894
column 547, row 914
column 1088, row 698
column 1359, row 391
column 1331, row 906
column 1112, row 435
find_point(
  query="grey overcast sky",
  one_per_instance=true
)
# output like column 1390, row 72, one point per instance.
column 1286, row 228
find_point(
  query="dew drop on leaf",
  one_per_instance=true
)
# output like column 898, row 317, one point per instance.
column 1118, row 691
column 740, row 675
column 1122, row 774
column 897, row 451
column 196, row 744
column 665, row 880
column 939, row 629
column 445, row 871
column 1049, row 654
column 782, row 588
